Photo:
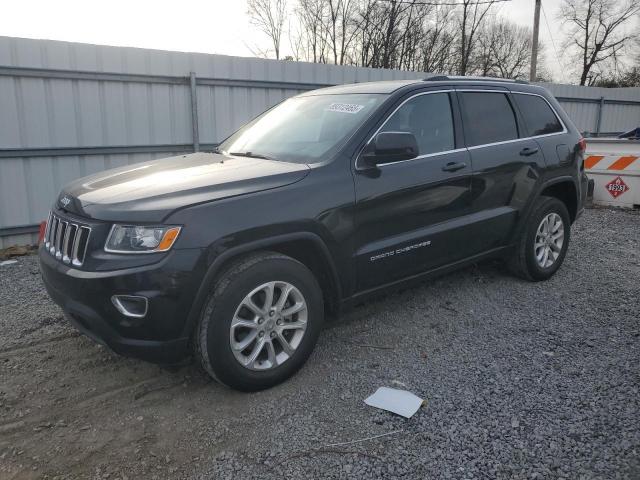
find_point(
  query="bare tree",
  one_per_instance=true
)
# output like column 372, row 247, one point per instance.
column 596, row 32
column 471, row 18
column 340, row 28
column 269, row 16
column 409, row 34
column 312, row 37
column 503, row 50
column 436, row 50
column 388, row 33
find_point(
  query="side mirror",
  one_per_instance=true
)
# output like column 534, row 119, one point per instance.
column 389, row 147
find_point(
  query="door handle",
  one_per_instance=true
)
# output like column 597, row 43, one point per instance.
column 453, row 166
column 527, row 151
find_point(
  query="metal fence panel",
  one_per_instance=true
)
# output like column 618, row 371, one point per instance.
column 620, row 110
column 584, row 115
column 69, row 110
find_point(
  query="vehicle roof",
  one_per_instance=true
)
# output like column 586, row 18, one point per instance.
column 387, row 86
column 390, row 86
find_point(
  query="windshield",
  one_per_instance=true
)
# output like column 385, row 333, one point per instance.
column 303, row 129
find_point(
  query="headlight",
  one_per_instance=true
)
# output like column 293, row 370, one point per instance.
column 140, row 239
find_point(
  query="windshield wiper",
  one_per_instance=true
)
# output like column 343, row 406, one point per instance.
column 250, row 155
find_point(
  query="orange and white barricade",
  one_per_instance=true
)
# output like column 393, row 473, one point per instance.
column 614, row 166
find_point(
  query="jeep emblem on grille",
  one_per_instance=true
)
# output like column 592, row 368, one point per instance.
column 65, row 201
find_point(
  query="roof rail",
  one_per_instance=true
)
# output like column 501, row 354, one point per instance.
column 439, row 78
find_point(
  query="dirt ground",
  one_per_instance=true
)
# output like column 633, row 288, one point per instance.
column 70, row 408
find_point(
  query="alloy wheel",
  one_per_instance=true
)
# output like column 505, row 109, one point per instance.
column 549, row 240
column 268, row 326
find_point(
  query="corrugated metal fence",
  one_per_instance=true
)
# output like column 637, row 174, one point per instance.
column 68, row 110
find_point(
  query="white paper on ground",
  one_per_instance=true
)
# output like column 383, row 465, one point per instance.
column 8, row 262
column 397, row 401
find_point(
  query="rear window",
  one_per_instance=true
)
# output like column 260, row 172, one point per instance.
column 538, row 115
column 488, row 118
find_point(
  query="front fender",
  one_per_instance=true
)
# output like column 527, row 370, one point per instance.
column 220, row 259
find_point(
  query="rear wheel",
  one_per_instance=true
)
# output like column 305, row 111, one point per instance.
column 260, row 323
column 543, row 245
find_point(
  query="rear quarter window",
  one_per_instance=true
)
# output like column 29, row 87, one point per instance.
column 488, row 118
column 538, row 116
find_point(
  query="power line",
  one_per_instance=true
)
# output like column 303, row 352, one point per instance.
column 446, row 4
column 555, row 50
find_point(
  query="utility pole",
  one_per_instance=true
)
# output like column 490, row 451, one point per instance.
column 534, row 46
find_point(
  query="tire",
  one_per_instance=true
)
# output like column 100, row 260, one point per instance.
column 225, row 315
column 524, row 262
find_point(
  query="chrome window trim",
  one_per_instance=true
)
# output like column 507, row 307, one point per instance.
column 515, row 117
column 426, row 155
column 474, row 147
column 564, row 127
column 553, row 110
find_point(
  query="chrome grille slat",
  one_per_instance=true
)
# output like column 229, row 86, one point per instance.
column 60, row 234
column 66, row 241
column 83, row 236
column 76, row 244
column 54, row 232
column 65, row 244
column 47, row 243
column 47, row 231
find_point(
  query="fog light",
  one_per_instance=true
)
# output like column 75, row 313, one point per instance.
column 131, row 305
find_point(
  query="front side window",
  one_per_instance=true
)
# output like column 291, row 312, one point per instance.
column 305, row 129
column 537, row 114
column 488, row 118
column 429, row 118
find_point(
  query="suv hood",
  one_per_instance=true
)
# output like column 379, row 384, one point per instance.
column 150, row 191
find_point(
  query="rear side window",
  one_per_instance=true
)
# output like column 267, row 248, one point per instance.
column 537, row 114
column 488, row 118
column 429, row 118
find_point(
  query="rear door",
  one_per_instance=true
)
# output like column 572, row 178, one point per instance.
column 543, row 124
column 506, row 163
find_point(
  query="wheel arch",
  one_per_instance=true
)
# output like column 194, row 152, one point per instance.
column 306, row 247
column 565, row 190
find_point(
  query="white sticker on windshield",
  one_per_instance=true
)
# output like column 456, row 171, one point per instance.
column 344, row 107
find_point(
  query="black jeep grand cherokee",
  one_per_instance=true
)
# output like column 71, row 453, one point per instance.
column 329, row 197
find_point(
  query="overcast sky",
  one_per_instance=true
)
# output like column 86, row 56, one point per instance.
column 208, row 26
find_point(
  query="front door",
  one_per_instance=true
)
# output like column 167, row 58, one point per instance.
column 409, row 214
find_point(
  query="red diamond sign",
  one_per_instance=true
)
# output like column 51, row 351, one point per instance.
column 616, row 187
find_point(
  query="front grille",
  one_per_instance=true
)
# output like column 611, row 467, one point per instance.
column 65, row 240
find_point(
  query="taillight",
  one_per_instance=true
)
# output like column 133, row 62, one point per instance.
column 43, row 228
column 582, row 144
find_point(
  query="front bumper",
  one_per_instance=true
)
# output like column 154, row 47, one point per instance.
column 170, row 286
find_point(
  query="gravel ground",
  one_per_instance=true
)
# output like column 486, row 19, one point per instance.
column 521, row 380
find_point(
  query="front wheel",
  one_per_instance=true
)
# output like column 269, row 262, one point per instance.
column 543, row 244
column 260, row 323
